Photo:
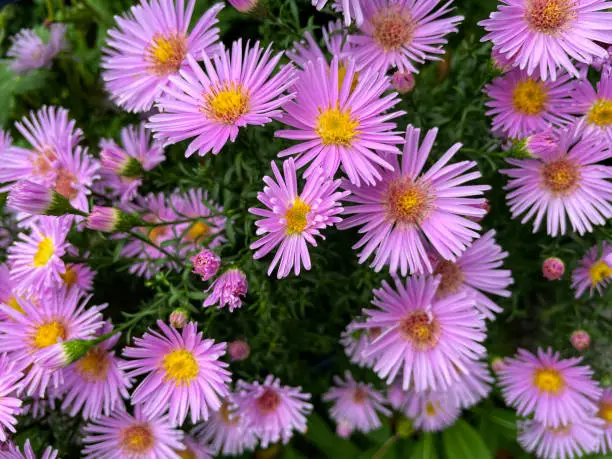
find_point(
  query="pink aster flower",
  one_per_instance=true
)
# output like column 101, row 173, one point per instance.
column 594, row 271
column 35, row 259
column 402, row 33
column 350, row 8
column 522, row 105
column 355, row 403
column 356, row 342
column 123, row 436
column 228, row 289
column 308, row 50
column 341, row 124
column 425, row 339
column 235, row 90
column 272, row 411
column 14, row 452
column 59, row 316
column 594, row 106
column 149, row 45
column 409, row 210
column 10, row 374
column 29, row 52
column 569, row 183
column 183, row 371
column 432, row 411
column 206, row 264
column 79, row 276
column 564, row 442
column 473, row 386
column 542, row 143
column 292, row 220
column 556, row 391
column 545, row 34
column 605, row 413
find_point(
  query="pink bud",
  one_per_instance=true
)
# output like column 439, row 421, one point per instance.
column 206, row 264
column 498, row 364
column 238, row 350
column 553, row 268
column 178, row 318
column 403, row 82
column 244, row 6
column 580, row 339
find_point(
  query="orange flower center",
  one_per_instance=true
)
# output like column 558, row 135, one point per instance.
column 136, row 439
column 408, row 202
column 65, row 184
column 549, row 16
column 452, row 278
column 94, row 366
column 420, row 329
column 560, row 176
column 166, row 54
column 393, row 29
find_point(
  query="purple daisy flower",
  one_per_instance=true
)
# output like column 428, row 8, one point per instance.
column 293, row 220
column 522, row 105
column 29, row 52
column 473, row 386
column 594, row 271
column 123, row 436
column 355, row 403
column 272, row 411
column 308, row 50
column 569, row 183
column 149, row 45
column 605, row 413
column 341, row 125
column 10, row 374
column 400, row 33
column 408, row 210
column 541, row 35
column 73, row 176
column 228, row 289
column 183, row 371
column 350, row 8
column 14, row 452
column 595, row 105
column 556, row 391
column 356, row 342
column 427, row 340
column 79, row 276
column 432, row 411
column 237, row 89
column 477, row 271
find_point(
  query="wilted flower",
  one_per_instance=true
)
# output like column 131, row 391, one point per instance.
column 206, row 263
column 228, row 289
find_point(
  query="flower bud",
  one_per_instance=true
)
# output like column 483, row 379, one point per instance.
column 206, row 264
column 238, row 350
column 403, row 82
column 64, row 353
column 179, row 317
column 36, row 199
column 109, row 219
column 581, row 340
column 553, row 268
column 119, row 162
column 498, row 364
column 244, row 6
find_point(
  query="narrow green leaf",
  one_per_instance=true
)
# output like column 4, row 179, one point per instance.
column 425, row 448
column 461, row 441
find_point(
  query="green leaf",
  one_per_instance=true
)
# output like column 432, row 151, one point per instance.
column 380, row 435
column 425, row 448
column 461, row 441
column 320, row 434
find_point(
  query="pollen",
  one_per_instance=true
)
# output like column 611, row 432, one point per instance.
column 600, row 113
column 65, row 184
column 408, row 202
column 268, row 401
column 393, row 29
column 70, row 276
column 44, row 252
column 136, row 440
column 599, row 272
column 48, row 334
column 166, row 54
column 548, row 380
column 227, row 104
column 451, row 280
column 94, row 366
column 198, row 231
column 529, row 97
column 180, row 366
column 549, row 16
column 296, row 217
column 560, row 176
column 605, row 412
column 336, row 127
column 420, row 329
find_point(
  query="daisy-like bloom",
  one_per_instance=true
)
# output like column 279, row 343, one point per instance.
column 556, row 391
column 206, row 264
column 567, row 441
column 96, row 384
column 150, row 44
column 227, row 431
column 341, row 124
column 272, row 411
column 350, row 8
column 8, row 292
column 408, row 210
column 546, row 34
column 476, row 272
column 29, row 52
column 59, row 316
column 432, row 411
column 569, row 182
column 605, row 413
column 124, row 436
column 35, row 259
column 356, row 342
column 334, row 37
column 355, row 403
column 79, row 276
column 14, row 452
column 401, row 33
column 73, row 176
column 473, row 386
column 228, row 289
column 292, row 220
column 10, row 374
column 183, row 371
column 594, row 271
column 236, row 89
column 595, row 105
column 522, row 105
column 426, row 339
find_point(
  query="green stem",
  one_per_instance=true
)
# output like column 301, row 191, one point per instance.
column 50, row 10
column 386, row 445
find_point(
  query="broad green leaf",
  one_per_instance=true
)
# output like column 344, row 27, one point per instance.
column 425, row 448
column 320, row 434
column 461, row 441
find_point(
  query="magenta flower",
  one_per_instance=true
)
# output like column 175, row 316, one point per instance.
column 401, row 33
column 473, row 386
column 124, row 436
column 29, row 52
column 350, row 8
column 235, row 90
column 293, row 220
column 570, row 183
column 341, row 124
column 594, row 271
column 13, row 452
column 272, row 411
column 408, row 210
column 426, row 340
column 605, row 413
column 206, row 264
column 228, row 289
column 431, row 411
column 357, row 404
column 356, row 342
column 541, row 35
column 183, row 371
column 149, row 45
column 308, row 50
column 556, row 391
column 10, row 375
column 594, row 106
column 553, row 268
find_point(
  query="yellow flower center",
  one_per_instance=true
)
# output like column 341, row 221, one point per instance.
column 452, row 278
column 359, row 395
column 549, row 16
column 296, row 217
column 601, row 113
column 335, row 127
column 13, row 303
column 420, row 329
column 268, row 401
column 198, row 231
column 70, row 276
column 180, row 366
column 393, row 29
column 43, row 254
column 186, row 454
column 227, row 104
column 65, row 184
column 560, row 176
column 605, row 412
column 136, row 439
column 408, row 202
column 166, row 54
column 49, row 334
column 599, row 272
column 158, row 232
column 430, row 409
column 94, row 366
column 227, row 415
column 342, row 75
column 529, row 97
column 548, row 380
